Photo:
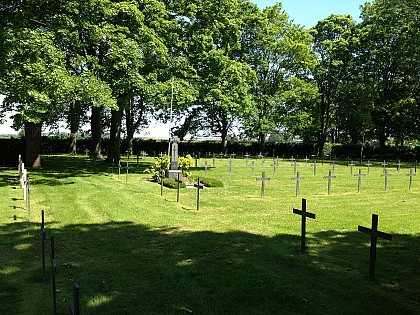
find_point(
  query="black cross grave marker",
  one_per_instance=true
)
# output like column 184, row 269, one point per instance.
column 314, row 168
column 274, row 165
column 246, row 159
column 178, row 181
column 351, row 166
column 306, row 160
column 74, row 307
column 262, row 179
column 253, row 167
column 205, row 168
column 399, row 164
column 411, row 178
column 386, row 175
column 199, row 186
column 384, row 164
column 119, row 169
column 43, row 243
column 126, row 173
column 294, row 168
column 374, row 234
column 368, row 164
column 297, row 179
column 333, row 164
column 230, row 167
column 304, row 215
column 292, row 159
column 359, row 179
column 178, row 187
column 53, row 273
column 262, row 160
column 330, row 177
column 28, row 198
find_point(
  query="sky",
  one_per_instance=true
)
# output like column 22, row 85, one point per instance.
column 308, row 12
column 304, row 12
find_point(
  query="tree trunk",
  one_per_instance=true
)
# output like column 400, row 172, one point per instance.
column 261, row 141
column 224, row 132
column 73, row 143
column 382, row 142
column 33, row 144
column 114, row 149
column 74, row 123
column 96, row 130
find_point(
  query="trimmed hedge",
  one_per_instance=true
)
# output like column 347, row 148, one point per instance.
column 209, row 182
column 173, row 183
column 12, row 147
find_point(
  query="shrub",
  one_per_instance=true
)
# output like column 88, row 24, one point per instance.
column 173, row 183
column 159, row 168
column 185, row 163
column 210, row 182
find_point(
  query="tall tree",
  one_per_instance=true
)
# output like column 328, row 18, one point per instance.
column 212, row 30
column 34, row 81
column 390, row 51
column 278, row 51
column 333, row 40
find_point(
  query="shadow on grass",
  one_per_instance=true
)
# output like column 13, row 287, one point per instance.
column 124, row 268
column 9, row 180
column 56, row 168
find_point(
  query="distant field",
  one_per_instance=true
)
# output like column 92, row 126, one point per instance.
column 133, row 251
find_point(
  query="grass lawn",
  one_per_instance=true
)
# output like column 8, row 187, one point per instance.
column 133, row 251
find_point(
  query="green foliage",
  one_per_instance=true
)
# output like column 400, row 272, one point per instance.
column 159, row 168
column 185, row 163
column 209, row 182
column 173, row 183
column 327, row 150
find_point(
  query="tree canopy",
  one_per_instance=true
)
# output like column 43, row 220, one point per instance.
column 225, row 68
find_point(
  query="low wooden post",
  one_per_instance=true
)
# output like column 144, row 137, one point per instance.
column 199, row 187
column 74, row 306
column 374, row 234
column 53, row 273
column 43, row 244
column 304, row 214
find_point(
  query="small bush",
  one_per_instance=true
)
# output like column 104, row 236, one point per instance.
column 172, row 183
column 185, row 163
column 158, row 169
column 210, row 182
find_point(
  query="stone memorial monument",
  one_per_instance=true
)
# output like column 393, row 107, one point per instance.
column 174, row 157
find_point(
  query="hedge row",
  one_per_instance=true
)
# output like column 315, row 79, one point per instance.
column 11, row 148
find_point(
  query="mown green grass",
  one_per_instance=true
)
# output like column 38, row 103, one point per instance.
column 133, row 251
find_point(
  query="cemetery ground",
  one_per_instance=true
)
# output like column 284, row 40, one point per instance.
column 133, row 251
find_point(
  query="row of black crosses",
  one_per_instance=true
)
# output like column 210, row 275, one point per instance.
column 74, row 306
column 373, row 232
column 199, row 186
column 119, row 167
